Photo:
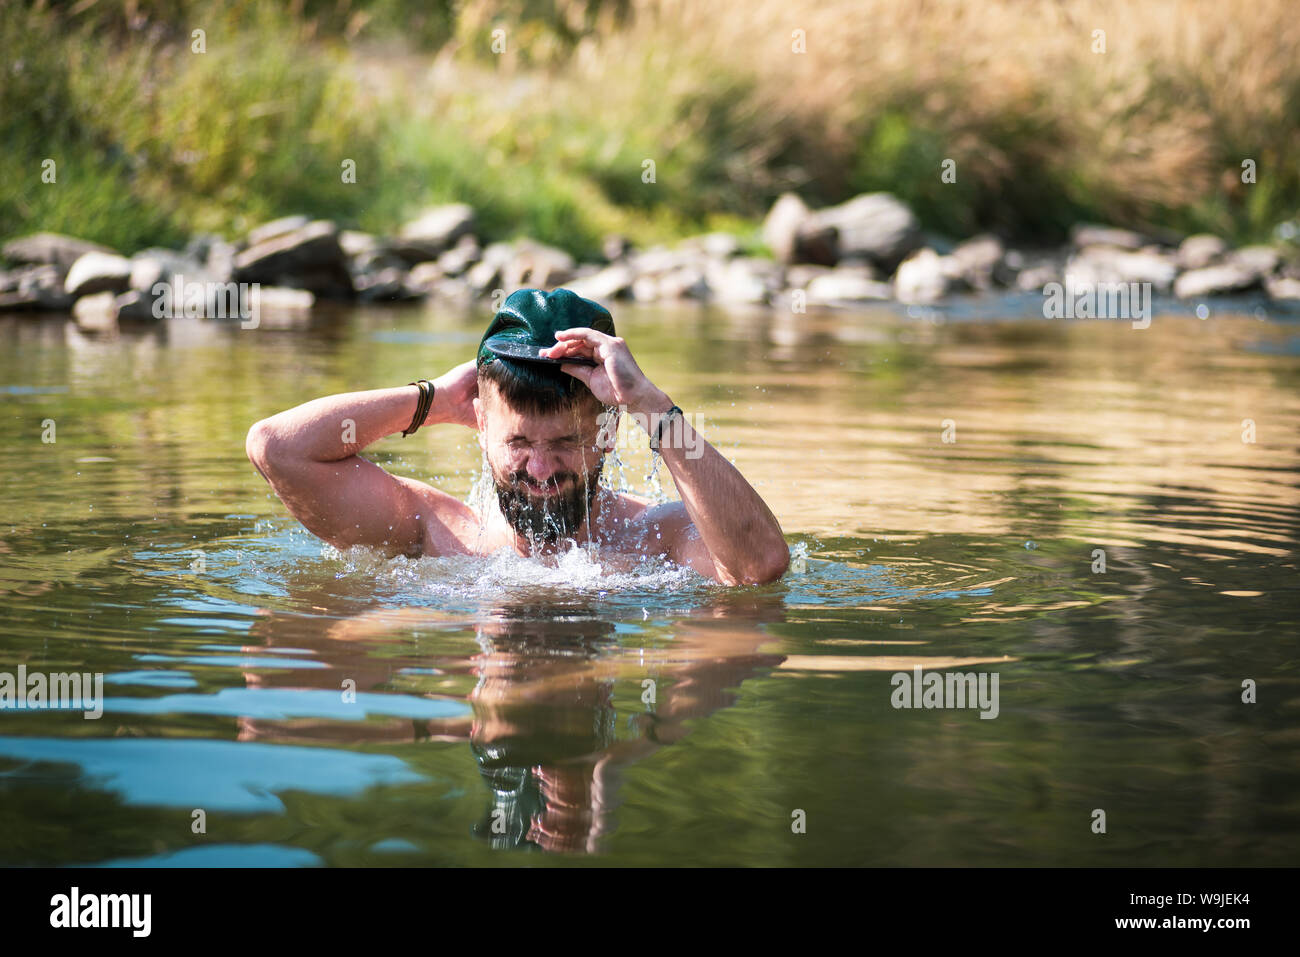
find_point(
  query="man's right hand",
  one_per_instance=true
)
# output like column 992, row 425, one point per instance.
column 454, row 394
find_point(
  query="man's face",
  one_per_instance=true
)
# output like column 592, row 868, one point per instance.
column 546, row 468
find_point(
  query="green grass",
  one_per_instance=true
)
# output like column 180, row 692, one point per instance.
column 154, row 142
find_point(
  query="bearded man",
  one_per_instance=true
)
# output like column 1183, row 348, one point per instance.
column 540, row 393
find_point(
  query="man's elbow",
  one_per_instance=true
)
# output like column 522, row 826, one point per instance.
column 259, row 444
column 769, row 566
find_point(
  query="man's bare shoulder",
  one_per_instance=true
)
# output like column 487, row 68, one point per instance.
column 449, row 526
column 664, row 530
column 639, row 523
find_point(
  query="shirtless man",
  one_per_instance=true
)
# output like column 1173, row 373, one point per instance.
column 547, row 368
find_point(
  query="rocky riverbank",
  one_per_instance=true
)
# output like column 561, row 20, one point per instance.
column 870, row 249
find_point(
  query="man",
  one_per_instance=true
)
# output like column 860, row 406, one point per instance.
column 547, row 367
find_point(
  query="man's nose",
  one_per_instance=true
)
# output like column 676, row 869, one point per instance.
column 541, row 465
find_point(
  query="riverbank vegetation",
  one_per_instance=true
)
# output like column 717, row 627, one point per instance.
column 546, row 127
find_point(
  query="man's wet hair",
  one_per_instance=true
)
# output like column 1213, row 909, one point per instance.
column 537, row 389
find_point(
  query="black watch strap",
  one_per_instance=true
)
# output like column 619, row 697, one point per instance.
column 659, row 428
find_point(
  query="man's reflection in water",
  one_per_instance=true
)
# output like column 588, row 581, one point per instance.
column 541, row 752
column 545, row 730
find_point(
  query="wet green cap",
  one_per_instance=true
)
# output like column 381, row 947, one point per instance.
column 528, row 320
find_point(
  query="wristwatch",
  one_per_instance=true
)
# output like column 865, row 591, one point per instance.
column 657, row 437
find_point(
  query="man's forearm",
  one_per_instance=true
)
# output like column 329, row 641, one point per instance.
column 337, row 426
column 739, row 530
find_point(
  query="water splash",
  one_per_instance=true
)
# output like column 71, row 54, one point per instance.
column 459, row 581
column 655, row 488
column 799, row 558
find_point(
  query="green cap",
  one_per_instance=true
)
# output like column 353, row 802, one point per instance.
column 528, row 320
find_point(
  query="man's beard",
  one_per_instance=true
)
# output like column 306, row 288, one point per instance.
column 547, row 520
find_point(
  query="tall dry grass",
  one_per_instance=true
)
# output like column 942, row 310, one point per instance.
column 1152, row 131
column 550, row 136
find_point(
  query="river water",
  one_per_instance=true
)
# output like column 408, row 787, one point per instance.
column 1104, row 518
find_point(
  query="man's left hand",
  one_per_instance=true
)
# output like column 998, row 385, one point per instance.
column 617, row 380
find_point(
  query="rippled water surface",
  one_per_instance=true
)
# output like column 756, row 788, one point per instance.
column 952, row 490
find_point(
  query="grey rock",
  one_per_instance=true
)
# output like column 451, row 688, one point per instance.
column 390, row 284
column 782, row 224
column 97, row 272
column 1092, row 234
column 424, row 277
column 457, row 260
column 609, row 283
column 482, row 276
column 96, row 312
column 800, row 275
column 1261, row 261
column 1283, row 287
column 1201, row 250
column 716, row 245
column 195, row 295
column 164, row 274
column 217, row 255
column 876, row 226
column 221, row 261
column 368, row 258
column 53, row 249
column 200, row 245
column 455, row 290
column 925, row 277
column 486, row 273
column 980, row 259
column 34, row 287
column 1215, row 280
column 1030, row 271
column 659, row 259
column 684, row 282
column 276, row 307
column 819, row 245
column 277, row 227
column 615, row 247
column 846, row 286
column 433, row 232
column 538, row 266
column 324, row 282
column 134, row 306
column 355, row 243
column 1111, row 264
column 152, row 266
column 309, row 258
column 14, row 301
column 743, row 280
column 645, row 289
